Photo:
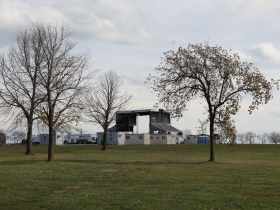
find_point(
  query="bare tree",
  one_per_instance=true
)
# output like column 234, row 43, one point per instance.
column 263, row 137
column 250, row 137
column 241, row 137
column 202, row 128
column 19, row 76
column 186, row 132
column 63, row 77
column 104, row 101
column 274, row 137
column 216, row 76
column 18, row 136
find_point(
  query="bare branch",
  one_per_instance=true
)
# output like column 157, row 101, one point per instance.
column 105, row 100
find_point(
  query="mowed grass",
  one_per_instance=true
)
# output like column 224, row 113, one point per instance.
column 141, row 177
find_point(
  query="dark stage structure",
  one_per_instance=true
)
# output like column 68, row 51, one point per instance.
column 159, row 121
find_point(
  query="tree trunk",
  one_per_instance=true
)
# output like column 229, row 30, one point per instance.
column 212, row 155
column 105, row 139
column 29, row 138
column 51, row 136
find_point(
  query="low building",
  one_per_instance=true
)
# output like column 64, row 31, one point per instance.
column 161, row 139
column 128, row 138
column 113, row 138
column 217, row 139
column 44, row 139
column 201, row 139
column 191, row 139
column 35, row 140
column 132, row 139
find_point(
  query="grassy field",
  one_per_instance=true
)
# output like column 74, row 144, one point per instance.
column 141, row 177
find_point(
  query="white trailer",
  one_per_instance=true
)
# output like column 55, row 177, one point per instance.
column 43, row 139
column 80, row 139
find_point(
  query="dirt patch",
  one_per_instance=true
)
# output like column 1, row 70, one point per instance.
column 110, row 170
column 86, row 182
column 60, row 191
column 141, row 172
column 71, row 187
column 99, row 176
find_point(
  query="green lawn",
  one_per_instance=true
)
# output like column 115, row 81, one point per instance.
column 141, row 177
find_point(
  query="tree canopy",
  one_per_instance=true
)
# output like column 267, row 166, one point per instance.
column 214, row 75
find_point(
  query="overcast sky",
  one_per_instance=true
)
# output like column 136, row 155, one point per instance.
column 130, row 36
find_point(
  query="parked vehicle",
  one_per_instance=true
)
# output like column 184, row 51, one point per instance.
column 80, row 139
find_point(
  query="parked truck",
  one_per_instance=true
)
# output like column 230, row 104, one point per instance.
column 80, row 139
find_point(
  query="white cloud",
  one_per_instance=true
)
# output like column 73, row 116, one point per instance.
column 244, row 57
column 17, row 15
column 266, row 52
column 115, row 21
column 258, row 5
column 106, row 20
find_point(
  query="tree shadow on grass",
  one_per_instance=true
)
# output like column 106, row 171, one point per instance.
column 106, row 162
column 136, row 162
column 32, row 162
column 20, row 162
